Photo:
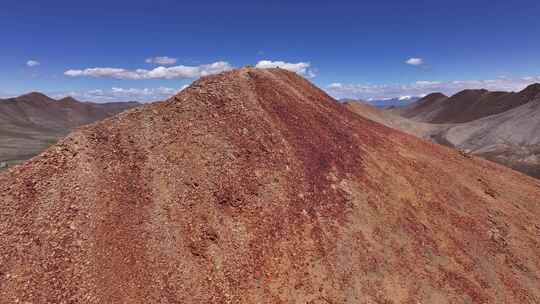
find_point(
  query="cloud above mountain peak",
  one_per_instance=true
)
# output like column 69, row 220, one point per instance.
column 302, row 68
column 161, row 72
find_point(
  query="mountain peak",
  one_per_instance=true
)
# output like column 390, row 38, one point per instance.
column 68, row 99
column 427, row 101
column 238, row 82
column 534, row 86
column 531, row 91
column 469, row 93
column 436, row 95
column 35, row 94
column 34, row 97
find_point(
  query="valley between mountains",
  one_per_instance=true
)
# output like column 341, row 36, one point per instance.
column 500, row 126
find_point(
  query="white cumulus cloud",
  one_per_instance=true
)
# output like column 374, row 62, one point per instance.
column 180, row 71
column 423, row 87
column 415, row 61
column 302, row 68
column 32, row 63
column 117, row 94
column 335, row 85
column 162, row 60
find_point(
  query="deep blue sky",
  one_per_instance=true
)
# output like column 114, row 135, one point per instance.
column 355, row 43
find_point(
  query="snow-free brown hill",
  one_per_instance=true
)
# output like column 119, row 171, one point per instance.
column 511, row 137
column 31, row 122
column 254, row 186
column 424, row 109
column 467, row 105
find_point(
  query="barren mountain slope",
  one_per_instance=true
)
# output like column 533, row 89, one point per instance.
column 31, row 122
column 388, row 118
column 253, row 186
column 511, row 138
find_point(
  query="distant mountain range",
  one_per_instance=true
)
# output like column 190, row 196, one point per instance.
column 31, row 122
column 500, row 126
column 467, row 105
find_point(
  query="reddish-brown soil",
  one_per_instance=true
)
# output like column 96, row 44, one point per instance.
column 253, row 186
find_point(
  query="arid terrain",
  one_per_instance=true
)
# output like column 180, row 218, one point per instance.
column 32, row 122
column 503, row 127
column 254, row 186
